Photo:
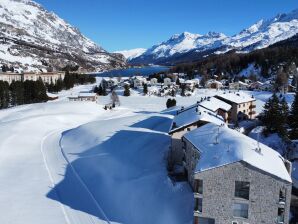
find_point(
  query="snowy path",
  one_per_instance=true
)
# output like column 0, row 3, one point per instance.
column 31, row 162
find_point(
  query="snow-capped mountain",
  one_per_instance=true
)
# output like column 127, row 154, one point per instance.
column 131, row 54
column 33, row 38
column 188, row 46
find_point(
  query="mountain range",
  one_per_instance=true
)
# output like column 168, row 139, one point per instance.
column 32, row 38
column 187, row 46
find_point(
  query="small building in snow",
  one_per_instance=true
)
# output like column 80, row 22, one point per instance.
column 153, row 81
column 167, row 81
column 235, row 179
column 217, row 106
column 139, row 81
column 84, row 96
column 243, row 105
column 185, row 120
column 214, row 84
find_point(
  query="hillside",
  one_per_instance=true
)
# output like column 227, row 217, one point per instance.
column 187, row 47
column 32, row 38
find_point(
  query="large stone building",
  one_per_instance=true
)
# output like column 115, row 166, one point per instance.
column 47, row 77
column 243, row 105
column 10, row 77
column 235, row 179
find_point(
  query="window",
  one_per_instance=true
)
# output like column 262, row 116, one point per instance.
column 234, row 222
column 242, row 189
column 198, row 204
column 281, row 215
column 282, row 195
column 240, row 210
column 199, row 186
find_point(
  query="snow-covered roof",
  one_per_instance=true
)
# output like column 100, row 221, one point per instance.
column 84, row 94
column 192, row 114
column 237, row 97
column 214, row 104
column 232, row 146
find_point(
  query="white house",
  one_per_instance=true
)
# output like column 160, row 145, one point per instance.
column 138, row 81
column 167, row 81
column 153, row 81
column 84, row 96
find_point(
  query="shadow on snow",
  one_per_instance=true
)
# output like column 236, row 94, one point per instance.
column 127, row 176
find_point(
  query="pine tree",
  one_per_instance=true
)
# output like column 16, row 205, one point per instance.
column 284, row 114
column 294, row 118
column 126, row 90
column 4, row 94
column 183, row 87
column 275, row 116
column 145, row 89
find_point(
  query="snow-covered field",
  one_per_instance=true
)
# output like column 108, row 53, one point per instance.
column 74, row 162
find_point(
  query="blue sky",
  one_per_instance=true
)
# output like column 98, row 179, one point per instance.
column 127, row 24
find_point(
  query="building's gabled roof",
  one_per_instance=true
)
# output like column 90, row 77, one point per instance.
column 220, row 145
column 192, row 114
column 236, row 97
column 214, row 104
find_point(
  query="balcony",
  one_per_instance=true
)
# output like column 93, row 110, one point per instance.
column 252, row 106
column 252, row 113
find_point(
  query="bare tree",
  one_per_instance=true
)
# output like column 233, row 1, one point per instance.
column 115, row 99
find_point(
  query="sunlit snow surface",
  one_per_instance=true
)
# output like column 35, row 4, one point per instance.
column 74, row 162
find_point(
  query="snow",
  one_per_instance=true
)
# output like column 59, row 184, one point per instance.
column 74, row 162
column 214, row 104
column 133, row 53
column 237, row 97
column 232, row 147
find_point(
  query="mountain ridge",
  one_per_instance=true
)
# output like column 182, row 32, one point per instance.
column 188, row 46
column 36, row 39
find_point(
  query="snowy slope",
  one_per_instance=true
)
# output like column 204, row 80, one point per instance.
column 187, row 46
column 133, row 53
column 30, row 36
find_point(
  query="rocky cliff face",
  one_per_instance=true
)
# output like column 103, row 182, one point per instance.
column 31, row 38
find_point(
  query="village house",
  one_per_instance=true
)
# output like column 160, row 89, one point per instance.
column 153, row 81
column 84, row 96
column 214, row 84
column 238, row 85
column 185, row 120
column 243, row 105
column 234, row 178
column 267, row 86
column 255, row 85
column 108, row 83
column 217, row 106
column 138, row 81
column 167, row 81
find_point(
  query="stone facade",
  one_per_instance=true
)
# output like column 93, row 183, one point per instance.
column 218, row 196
